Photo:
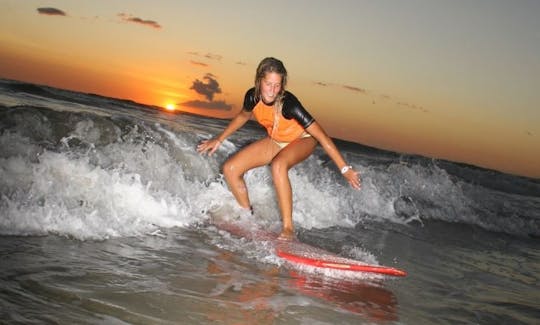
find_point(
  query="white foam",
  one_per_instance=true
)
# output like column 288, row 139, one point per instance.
column 121, row 179
column 359, row 254
column 69, row 196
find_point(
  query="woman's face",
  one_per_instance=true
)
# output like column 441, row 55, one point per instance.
column 270, row 87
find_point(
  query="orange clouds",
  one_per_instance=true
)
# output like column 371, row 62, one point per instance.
column 201, row 64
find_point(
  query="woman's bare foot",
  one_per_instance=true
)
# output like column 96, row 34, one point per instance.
column 287, row 234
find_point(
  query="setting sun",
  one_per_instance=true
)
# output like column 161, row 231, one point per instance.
column 170, row 107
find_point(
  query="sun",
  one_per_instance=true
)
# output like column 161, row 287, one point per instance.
column 170, row 106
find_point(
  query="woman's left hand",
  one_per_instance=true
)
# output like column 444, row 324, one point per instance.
column 353, row 177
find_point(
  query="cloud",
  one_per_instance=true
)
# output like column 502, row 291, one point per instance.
column 209, row 56
column 412, row 106
column 202, row 64
column 208, row 89
column 219, row 104
column 322, row 84
column 50, row 11
column 202, row 57
column 351, row 88
column 137, row 20
column 355, row 89
column 213, row 56
column 373, row 96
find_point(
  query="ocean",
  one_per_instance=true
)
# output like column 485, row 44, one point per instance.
column 104, row 208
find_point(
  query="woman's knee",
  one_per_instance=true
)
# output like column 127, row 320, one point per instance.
column 229, row 170
column 279, row 168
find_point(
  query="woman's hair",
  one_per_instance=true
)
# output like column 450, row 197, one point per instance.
column 270, row 65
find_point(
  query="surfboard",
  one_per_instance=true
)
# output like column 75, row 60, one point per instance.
column 304, row 254
column 298, row 253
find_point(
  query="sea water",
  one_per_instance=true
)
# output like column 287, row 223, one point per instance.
column 104, row 219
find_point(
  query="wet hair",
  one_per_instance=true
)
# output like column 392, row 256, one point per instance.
column 270, row 65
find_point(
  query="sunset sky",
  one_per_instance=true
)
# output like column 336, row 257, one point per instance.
column 457, row 80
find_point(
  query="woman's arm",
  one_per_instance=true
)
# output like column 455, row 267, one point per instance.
column 213, row 144
column 328, row 145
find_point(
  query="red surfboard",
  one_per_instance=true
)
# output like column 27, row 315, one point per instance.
column 303, row 254
column 300, row 253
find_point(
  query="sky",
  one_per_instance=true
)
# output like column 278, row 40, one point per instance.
column 453, row 79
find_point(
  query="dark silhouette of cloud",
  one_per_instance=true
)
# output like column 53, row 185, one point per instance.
column 383, row 97
column 137, row 20
column 351, row 88
column 209, row 88
column 218, row 105
column 202, row 64
column 50, row 11
column 322, row 84
column 355, row 89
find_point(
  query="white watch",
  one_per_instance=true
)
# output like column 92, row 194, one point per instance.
column 345, row 169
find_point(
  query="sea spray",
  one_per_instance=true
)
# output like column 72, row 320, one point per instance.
column 122, row 169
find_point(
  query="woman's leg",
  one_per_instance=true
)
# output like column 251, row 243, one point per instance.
column 291, row 155
column 258, row 153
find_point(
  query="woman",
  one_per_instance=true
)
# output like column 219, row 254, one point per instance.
column 292, row 136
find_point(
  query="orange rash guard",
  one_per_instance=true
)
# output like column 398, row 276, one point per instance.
column 292, row 121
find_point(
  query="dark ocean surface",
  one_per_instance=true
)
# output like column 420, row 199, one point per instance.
column 103, row 219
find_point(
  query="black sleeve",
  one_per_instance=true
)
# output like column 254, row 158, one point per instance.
column 249, row 100
column 292, row 108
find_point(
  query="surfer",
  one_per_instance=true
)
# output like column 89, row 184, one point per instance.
column 292, row 137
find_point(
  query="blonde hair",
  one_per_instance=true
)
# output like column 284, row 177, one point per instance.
column 267, row 65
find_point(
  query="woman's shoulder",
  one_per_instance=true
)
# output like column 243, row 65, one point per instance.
column 291, row 102
column 289, row 96
column 251, row 91
column 293, row 109
column 250, row 100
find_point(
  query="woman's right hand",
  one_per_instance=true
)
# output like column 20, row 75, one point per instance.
column 208, row 146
